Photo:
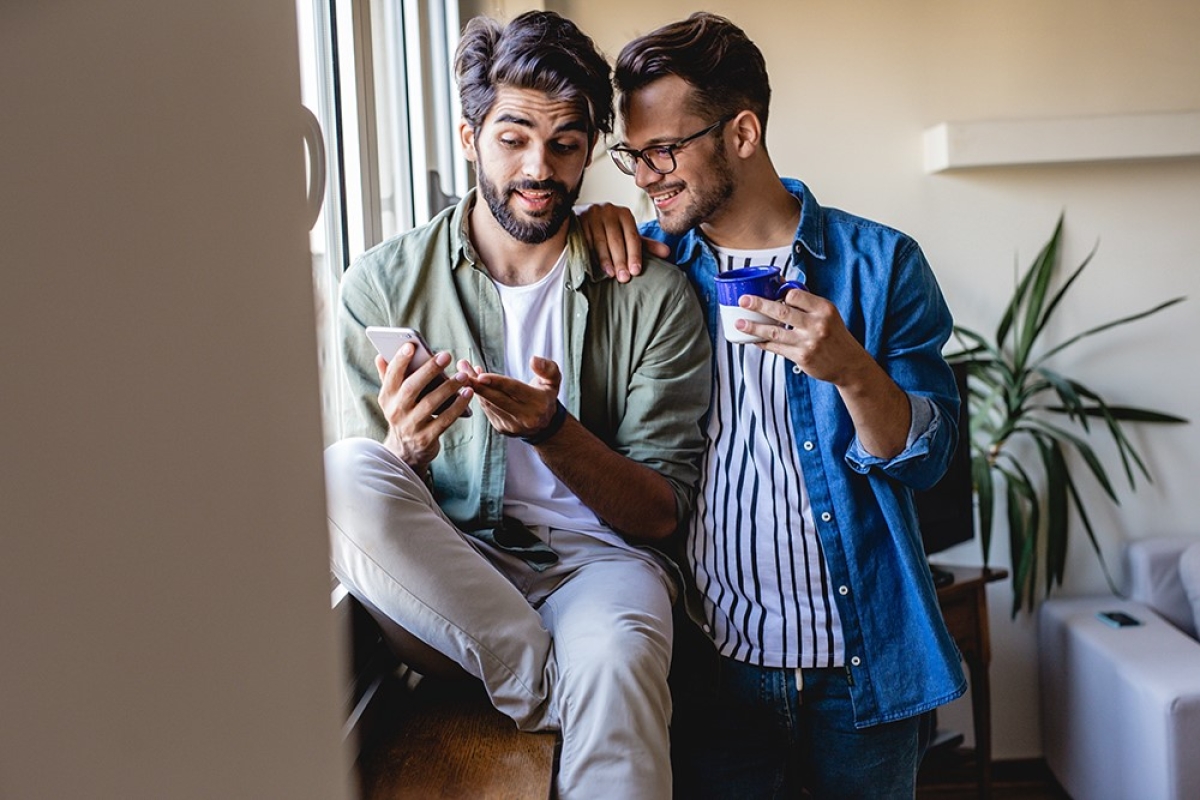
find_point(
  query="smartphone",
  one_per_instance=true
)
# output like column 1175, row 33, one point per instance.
column 1118, row 619
column 388, row 342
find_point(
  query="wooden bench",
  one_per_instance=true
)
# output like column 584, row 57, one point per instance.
column 438, row 739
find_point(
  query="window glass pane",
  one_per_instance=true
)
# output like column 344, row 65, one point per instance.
column 377, row 77
column 327, row 236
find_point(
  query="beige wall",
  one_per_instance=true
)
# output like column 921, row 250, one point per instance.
column 856, row 83
column 165, row 629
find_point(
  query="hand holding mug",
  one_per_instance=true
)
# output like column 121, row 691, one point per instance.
column 760, row 281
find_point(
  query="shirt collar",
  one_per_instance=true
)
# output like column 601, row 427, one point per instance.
column 810, row 234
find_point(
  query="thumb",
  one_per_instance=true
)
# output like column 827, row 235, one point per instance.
column 656, row 248
column 546, row 371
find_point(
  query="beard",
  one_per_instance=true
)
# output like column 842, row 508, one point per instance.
column 533, row 229
column 707, row 200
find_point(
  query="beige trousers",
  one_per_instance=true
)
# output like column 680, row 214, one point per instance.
column 582, row 647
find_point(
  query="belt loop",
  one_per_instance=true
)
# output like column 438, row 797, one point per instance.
column 799, row 680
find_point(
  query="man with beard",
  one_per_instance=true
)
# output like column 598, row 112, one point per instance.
column 512, row 544
column 819, row 645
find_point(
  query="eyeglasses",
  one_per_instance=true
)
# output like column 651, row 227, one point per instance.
column 661, row 157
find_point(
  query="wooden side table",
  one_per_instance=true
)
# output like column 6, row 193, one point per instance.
column 964, row 607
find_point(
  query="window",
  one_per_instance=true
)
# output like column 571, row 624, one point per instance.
column 378, row 88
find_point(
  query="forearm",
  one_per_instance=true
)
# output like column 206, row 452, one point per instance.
column 880, row 410
column 634, row 499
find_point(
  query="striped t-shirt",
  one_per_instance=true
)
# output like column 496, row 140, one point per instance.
column 753, row 545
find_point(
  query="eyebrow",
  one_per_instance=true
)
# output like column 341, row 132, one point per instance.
column 579, row 125
column 658, row 141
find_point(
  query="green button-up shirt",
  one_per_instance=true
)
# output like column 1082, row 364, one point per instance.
column 637, row 372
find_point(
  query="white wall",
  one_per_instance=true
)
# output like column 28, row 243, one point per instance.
column 855, row 84
column 164, row 588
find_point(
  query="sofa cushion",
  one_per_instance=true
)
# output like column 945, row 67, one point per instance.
column 1152, row 577
column 1189, row 576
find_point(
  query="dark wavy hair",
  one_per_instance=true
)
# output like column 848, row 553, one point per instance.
column 726, row 69
column 538, row 50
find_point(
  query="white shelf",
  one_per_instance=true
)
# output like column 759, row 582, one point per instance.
column 958, row 145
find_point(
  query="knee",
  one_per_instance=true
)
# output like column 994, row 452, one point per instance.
column 358, row 467
column 629, row 652
column 363, row 479
column 346, row 460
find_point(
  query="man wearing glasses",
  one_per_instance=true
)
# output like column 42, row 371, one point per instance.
column 819, row 644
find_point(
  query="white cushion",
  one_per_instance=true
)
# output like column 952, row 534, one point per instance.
column 1152, row 577
column 1189, row 576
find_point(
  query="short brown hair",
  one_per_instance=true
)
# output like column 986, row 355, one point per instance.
column 713, row 55
column 538, row 50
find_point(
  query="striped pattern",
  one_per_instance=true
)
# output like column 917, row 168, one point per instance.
column 753, row 546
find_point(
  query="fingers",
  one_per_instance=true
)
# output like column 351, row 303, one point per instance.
column 391, row 375
column 516, row 408
column 612, row 234
column 595, row 233
column 471, row 371
column 426, row 390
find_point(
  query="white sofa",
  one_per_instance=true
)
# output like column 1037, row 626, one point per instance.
column 1121, row 706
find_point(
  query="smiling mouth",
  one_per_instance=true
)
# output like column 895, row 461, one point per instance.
column 535, row 199
column 664, row 198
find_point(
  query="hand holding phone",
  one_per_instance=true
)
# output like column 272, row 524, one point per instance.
column 388, row 342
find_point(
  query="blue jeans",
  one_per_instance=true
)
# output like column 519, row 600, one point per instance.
column 741, row 732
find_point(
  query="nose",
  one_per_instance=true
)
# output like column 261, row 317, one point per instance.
column 643, row 176
column 536, row 164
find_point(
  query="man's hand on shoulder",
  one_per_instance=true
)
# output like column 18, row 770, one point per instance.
column 613, row 239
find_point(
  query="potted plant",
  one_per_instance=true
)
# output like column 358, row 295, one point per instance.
column 1017, row 399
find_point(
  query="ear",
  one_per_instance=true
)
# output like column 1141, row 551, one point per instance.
column 466, row 137
column 747, row 133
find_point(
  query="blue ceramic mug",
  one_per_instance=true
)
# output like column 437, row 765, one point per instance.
column 761, row 281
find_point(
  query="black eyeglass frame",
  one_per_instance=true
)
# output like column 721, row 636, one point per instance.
column 640, row 155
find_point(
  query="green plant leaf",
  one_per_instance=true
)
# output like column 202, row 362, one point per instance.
column 1032, row 320
column 1083, row 448
column 1125, row 448
column 1129, row 414
column 1024, row 520
column 1091, row 533
column 1010, row 311
column 1062, row 291
column 1106, row 326
column 1055, row 466
column 981, row 477
column 970, row 352
column 1072, row 403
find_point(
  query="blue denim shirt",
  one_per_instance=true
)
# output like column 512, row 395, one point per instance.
column 900, row 658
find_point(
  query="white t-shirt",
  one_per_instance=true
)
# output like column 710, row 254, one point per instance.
column 533, row 326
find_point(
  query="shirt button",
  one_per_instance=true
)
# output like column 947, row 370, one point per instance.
column 854, row 662
column 826, row 516
column 809, row 445
column 843, row 590
column 796, row 369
